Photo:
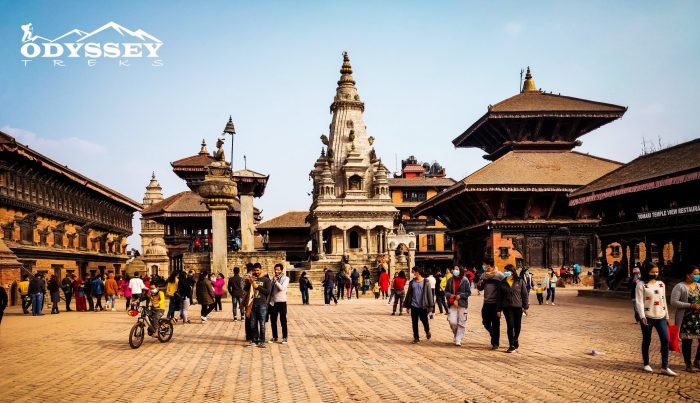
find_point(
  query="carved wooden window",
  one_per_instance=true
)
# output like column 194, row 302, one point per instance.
column 503, row 252
column 354, row 240
column 430, row 238
column 414, row 195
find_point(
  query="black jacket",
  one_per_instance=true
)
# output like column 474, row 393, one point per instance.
column 513, row 297
column 36, row 285
column 235, row 286
column 263, row 292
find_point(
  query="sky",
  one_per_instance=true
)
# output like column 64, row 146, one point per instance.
column 425, row 70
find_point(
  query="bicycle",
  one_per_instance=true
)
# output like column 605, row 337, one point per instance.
column 164, row 331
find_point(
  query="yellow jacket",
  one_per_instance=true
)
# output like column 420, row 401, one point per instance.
column 24, row 287
column 158, row 301
column 171, row 288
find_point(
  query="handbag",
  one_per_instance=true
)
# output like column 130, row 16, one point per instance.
column 673, row 337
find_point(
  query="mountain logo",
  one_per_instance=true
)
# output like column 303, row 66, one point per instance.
column 99, row 43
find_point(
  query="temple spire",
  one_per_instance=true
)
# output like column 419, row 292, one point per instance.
column 203, row 150
column 346, row 72
column 529, row 84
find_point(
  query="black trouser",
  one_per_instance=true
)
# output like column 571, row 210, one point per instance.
column 305, row 296
column 422, row 314
column 54, row 303
column 26, row 303
column 357, row 292
column 91, row 303
column 341, row 291
column 686, row 346
column 513, row 318
column 279, row 309
column 398, row 300
column 441, row 302
column 206, row 309
column 540, row 299
column 492, row 323
column 128, row 301
column 217, row 303
column 248, row 326
column 1, row 313
column 99, row 302
column 68, row 296
column 577, row 279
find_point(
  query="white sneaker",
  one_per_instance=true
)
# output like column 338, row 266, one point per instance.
column 667, row 371
column 204, row 319
column 112, row 309
column 458, row 343
column 552, row 303
column 647, row 368
column 547, row 303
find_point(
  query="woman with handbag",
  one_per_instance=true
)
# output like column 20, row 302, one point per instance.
column 685, row 297
column 650, row 302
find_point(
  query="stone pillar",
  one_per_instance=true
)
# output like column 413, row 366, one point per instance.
column 369, row 234
column 392, row 261
column 411, row 258
column 321, row 251
column 219, row 252
column 345, row 240
column 247, row 227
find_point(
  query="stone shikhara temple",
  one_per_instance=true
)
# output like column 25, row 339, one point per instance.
column 352, row 216
column 516, row 209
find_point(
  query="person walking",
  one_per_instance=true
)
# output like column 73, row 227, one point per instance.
column 205, row 294
column 550, row 284
column 67, row 287
column 136, row 285
column 457, row 291
column 328, row 286
column 126, row 291
column 23, row 287
column 490, row 284
column 111, row 292
column 87, row 289
column 37, row 291
column 391, row 288
column 340, row 284
column 219, row 283
column 513, row 302
column 235, row 289
column 4, row 300
column 432, row 281
column 366, row 280
column 398, row 290
column 55, row 293
column 383, row 283
column 538, row 292
column 304, row 286
column 79, row 292
column 184, row 293
column 98, row 289
column 419, row 301
column 685, row 297
column 348, row 285
column 171, row 293
column 440, row 284
column 259, row 286
column 355, row 279
column 577, row 273
column 650, row 298
column 278, row 302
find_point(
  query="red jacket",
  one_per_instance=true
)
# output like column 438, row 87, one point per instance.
column 399, row 283
column 384, row 281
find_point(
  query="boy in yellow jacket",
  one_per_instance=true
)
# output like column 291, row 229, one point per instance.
column 157, row 303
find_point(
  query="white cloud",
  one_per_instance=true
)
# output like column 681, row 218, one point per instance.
column 61, row 149
column 513, row 28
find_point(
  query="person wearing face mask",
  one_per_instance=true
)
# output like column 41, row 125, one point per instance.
column 490, row 284
column 457, row 291
column 278, row 303
column 650, row 298
column 513, row 302
column 550, row 284
column 157, row 302
column 685, row 297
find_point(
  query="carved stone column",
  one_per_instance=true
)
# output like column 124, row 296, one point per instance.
column 218, row 191
column 369, row 234
column 247, row 226
column 320, row 248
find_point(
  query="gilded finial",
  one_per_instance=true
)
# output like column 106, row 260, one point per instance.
column 346, row 71
column 203, row 150
column 529, row 84
column 153, row 175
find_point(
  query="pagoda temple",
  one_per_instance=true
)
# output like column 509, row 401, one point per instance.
column 515, row 209
column 352, row 211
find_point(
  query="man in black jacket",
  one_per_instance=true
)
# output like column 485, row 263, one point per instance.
column 67, row 287
column 37, row 289
column 235, row 289
column 259, row 287
column 328, row 285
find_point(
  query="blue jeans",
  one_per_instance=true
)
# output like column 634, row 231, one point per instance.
column 662, row 329
column 37, row 303
column 237, row 303
column 110, row 300
column 258, row 317
column 328, row 291
column 305, row 296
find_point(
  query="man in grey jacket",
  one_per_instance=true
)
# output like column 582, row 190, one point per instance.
column 419, row 301
column 278, row 303
column 491, row 317
column 457, row 291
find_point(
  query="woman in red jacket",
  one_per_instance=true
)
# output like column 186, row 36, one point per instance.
column 398, row 289
column 383, row 283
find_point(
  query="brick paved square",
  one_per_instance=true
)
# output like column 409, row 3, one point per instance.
column 354, row 351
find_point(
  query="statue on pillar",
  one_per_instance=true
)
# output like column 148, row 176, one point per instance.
column 219, row 153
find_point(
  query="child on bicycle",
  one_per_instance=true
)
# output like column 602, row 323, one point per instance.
column 157, row 305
